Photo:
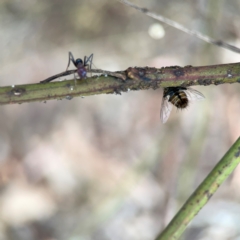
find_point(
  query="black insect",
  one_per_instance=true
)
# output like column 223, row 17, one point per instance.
column 178, row 97
column 81, row 65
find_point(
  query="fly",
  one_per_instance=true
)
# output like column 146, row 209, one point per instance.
column 178, row 97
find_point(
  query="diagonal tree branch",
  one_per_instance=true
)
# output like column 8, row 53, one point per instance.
column 180, row 27
column 137, row 78
column 202, row 194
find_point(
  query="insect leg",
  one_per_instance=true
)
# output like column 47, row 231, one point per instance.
column 88, row 62
column 71, row 58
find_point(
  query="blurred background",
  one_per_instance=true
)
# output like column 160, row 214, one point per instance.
column 104, row 167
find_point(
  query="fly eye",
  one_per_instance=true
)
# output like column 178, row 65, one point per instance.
column 79, row 61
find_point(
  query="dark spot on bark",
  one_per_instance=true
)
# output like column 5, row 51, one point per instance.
column 161, row 70
column 17, row 91
column 141, row 73
column 146, row 79
column 176, row 67
column 237, row 154
column 218, row 42
column 205, row 82
column 220, row 172
column 178, row 72
column 225, row 166
column 155, row 86
column 208, row 194
column 122, row 89
column 217, row 82
column 184, row 85
column 144, row 10
column 117, row 91
column 144, row 85
column 190, row 83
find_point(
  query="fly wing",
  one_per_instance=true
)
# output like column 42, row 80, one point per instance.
column 165, row 111
column 194, row 95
